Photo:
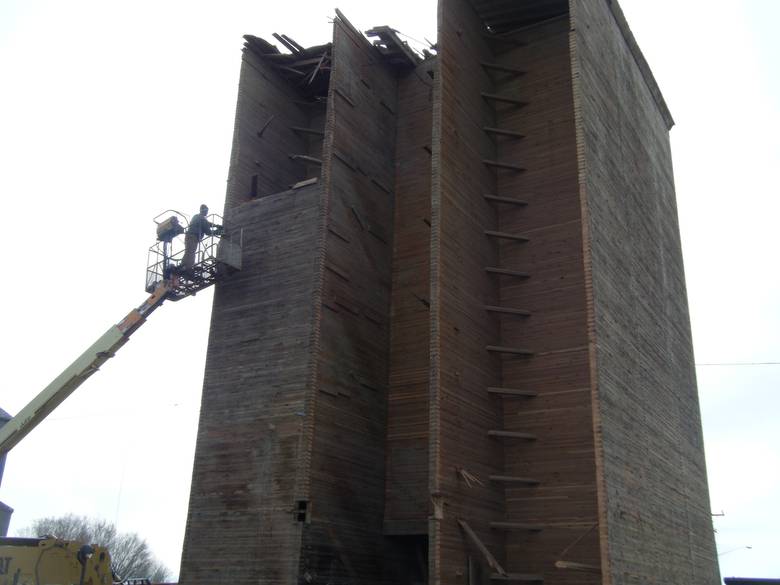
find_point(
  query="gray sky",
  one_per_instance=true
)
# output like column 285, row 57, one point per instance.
column 111, row 112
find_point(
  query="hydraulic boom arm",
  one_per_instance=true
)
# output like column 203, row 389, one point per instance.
column 87, row 364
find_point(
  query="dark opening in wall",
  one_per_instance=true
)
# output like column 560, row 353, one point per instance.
column 407, row 559
column 301, row 510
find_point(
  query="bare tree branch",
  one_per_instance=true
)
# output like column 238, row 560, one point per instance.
column 130, row 554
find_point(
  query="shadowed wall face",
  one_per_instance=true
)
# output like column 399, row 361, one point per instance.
column 511, row 385
column 343, row 538
column 656, row 506
column 462, row 411
column 300, row 342
column 407, row 501
column 561, row 455
column 241, row 525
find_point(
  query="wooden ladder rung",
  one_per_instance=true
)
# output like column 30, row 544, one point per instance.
column 506, row 236
column 517, row 577
column 510, row 350
column 517, row 526
column 502, row 165
column 508, row 200
column 507, row 272
column 502, row 68
column 507, row 310
column 503, row 132
column 306, row 158
column 512, row 392
column 301, row 130
column 497, row 97
column 514, row 479
column 577, row 567
column 512, row 435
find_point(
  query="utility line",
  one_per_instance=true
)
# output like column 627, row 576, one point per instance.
column 741, row 364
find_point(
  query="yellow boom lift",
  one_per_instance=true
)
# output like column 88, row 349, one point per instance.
column 53, row 561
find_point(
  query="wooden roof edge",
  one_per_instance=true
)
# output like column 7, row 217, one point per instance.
column 263, row 47
column 397, row 47
column 641, row 62
column 260, row 44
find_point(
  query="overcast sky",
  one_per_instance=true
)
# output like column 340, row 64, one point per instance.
column 111, row 112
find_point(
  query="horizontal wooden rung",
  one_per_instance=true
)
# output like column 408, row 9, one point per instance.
column 507, row 310
column 512, row 435
column 577, row 567
column 503, row 132
column 507, row 200
column 506, row 236
column 300, row 130
column 306, row 158
column 514, row 479
column 517, row 577
column 304, row 183
column 516, row 526
column 502, row 68
column 510, row 350
column 502, row 165
column 497, row 97
column 512, row 392
column 507, row 272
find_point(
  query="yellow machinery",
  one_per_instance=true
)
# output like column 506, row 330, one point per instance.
column 50, row 561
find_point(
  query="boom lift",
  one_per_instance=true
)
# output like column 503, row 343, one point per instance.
column 217, row 255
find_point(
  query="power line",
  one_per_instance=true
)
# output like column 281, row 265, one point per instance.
column 425, row 42
column 741, row 364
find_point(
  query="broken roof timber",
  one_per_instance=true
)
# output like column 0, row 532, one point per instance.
column 392, row 47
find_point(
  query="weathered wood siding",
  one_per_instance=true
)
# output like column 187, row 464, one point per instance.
column 561, row 457
column 241, row 526
column 407, row 500
column 263, row 139
column 362, row 400
column 343, row 537
column 462, row 411
column 655, row 503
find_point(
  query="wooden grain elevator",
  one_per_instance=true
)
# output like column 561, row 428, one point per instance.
column 459, row 351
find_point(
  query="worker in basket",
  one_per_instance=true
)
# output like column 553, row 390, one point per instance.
column 199, row 227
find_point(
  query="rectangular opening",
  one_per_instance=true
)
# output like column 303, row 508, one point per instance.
column 301, row 510
column 406, row 561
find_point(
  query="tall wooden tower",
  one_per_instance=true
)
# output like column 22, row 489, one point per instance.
column 459, row 351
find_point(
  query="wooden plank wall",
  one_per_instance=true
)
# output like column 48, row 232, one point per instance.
column 265, row 98
column 656, row 504
column 241, row 525
column 462, row 411
column 561, row 458
column 343, row 539
column 406, row 493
